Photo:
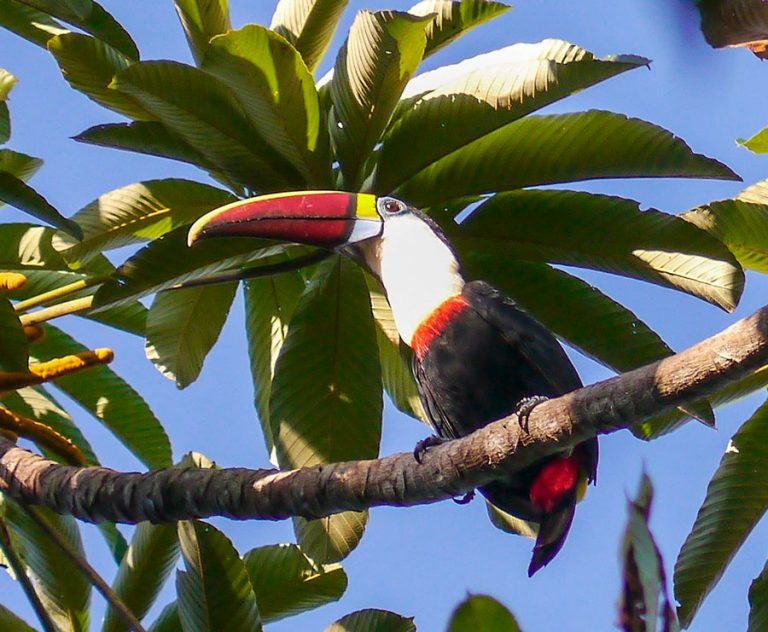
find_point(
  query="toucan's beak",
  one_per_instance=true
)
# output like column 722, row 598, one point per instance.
column 328, row 219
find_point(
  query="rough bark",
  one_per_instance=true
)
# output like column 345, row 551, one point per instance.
column 97, row 493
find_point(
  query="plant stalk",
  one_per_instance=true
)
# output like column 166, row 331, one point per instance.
column 59, row 292
column 55, row 311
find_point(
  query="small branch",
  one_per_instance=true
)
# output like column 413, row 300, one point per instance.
column 90, row 573
column 56, row 311
column 502, row 447
column 59, row 292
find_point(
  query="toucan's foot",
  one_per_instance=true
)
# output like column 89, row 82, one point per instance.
column 422, row 446
column 465, row 499
column 525, row 407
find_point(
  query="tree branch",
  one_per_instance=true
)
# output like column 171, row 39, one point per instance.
column 97, row 493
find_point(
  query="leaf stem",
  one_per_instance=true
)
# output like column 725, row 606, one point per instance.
column 55, row 311
column 59, row 292
column 90, row 573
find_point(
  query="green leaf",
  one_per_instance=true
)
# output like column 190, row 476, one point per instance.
column 168, row 261
column 215, row 593
column 26, row 22
column 114, row 540
column 110, row 399
column 15, row 355
column 27, row 246
column 182, row 327
column 481, row 613
column 89, row 66
column 395, row 357
column 168, row 620
column 202, row 20
column 453, row 18
column 740, row 225
column 140, row 212
column 20, row 195
column 37, row 403
column 7, row 81
column 201, row 110
column 269, row 305
column 644, row 599
column 451, row 107
column 278, row 95
column 308, row 25
column 737, row 497
column 12, row 623
column 372, row 620
column 20, row 165
column 329, row 540
column 377, row 60
column 96, row 21
column 757, row 143
column 286, row 582
column 559, row 148
column 568, row 227
column 62, row 588
column 758, row 602
column 145, row 568
column 325, row 405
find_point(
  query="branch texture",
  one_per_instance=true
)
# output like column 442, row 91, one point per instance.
column 97, row 493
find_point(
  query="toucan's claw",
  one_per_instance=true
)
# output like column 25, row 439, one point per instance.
column 525, row 407
column 465, row 499
column 422, row 446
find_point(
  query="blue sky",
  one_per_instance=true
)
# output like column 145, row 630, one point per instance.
column 422, row 561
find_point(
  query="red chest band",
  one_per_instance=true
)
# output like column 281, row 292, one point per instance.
column 434, row 324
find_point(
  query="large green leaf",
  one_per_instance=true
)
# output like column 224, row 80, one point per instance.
column 215, row 593
column 758, row 602
column 167, row 261
column 27, row 246
column 395, row 357
column 559, row 148
column 269, row 305
column 168, row 620
column 741, row 224
column 372, row 620
column 139, row 212
column 287, row 582
column 325, row 405
column 201, row 20
column 20, row 195
column 37, row 403
column 12, row 623
column 20, row 165
column 452, row 106
column 15, row 354
column 104, row 394
column 277, row 92
column 377, row 60
column 60, row 584
column 200, row 109
column 182, row 327
column 26, row 22
column 145, row 568
column 95, row 20
column 90, row 65
column 453, row 18
column 569, row 227
column 737, row 497
column 481, row 613
column 308, row 25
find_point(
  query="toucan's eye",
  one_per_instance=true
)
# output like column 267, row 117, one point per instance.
column 392, row 206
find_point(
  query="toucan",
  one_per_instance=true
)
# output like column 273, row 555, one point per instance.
column 477, row 356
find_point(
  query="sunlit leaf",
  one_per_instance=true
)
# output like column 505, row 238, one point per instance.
column 452, row 106
column 214, row 594
column 559, row 148
column 182, row 327
column 277, row 92
column 329, row 540
column 287, row 582
column 201, row 20
column 20, row 195
column 308, row 25
column 757, row 143
column 481, row 613
column 145, row 568
column 7, row 81
column 24, row 246
column 569, row 227
column 110, row 399
column 372, row 620
column 371, row 70
column 26, row 22
column 20, row 165
column 737, row 497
